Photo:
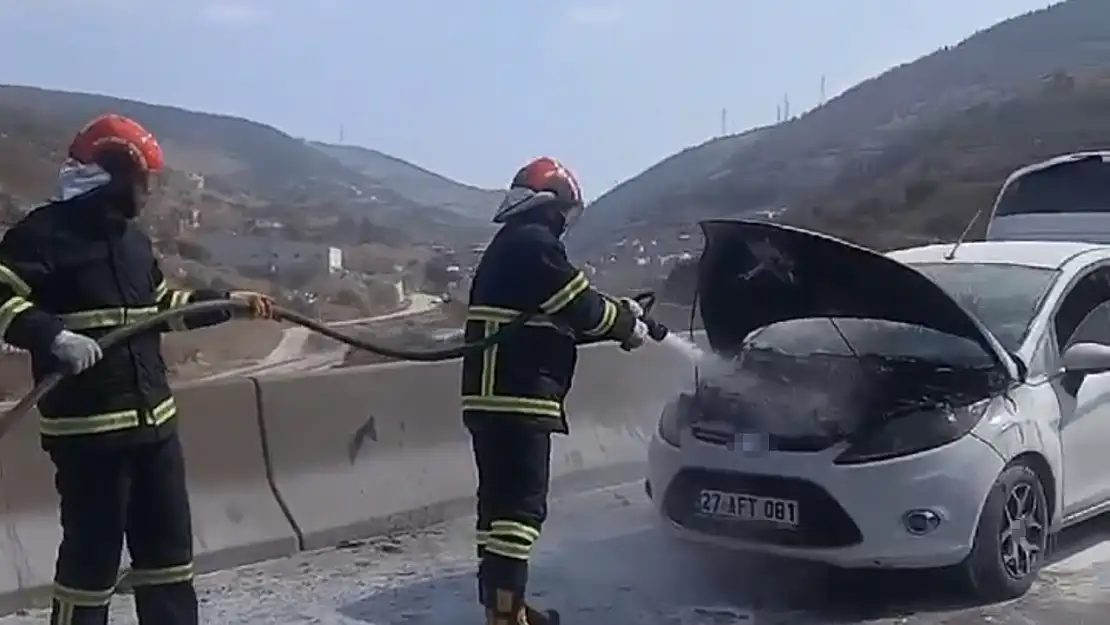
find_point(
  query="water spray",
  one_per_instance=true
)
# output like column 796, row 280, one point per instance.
column 684, row 346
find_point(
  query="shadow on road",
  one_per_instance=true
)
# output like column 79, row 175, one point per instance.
column 645, row 578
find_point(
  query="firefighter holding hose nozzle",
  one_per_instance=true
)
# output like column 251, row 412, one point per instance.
column 70, row 272
column 513, row 392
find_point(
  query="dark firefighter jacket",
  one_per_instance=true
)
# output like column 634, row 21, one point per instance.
column 527, row 377
column 66, row 265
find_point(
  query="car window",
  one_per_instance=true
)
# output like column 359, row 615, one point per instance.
column 1084, row 313
column 866, row 337
column 1005, row 298
column 1095, row 327
column 1074, row 187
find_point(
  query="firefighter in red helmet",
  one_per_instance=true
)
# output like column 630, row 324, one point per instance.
column 71, row 271
column 512, row 393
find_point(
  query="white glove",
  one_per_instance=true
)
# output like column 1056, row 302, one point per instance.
column 77, row 351
column 262, row 307
column 634, row 306
column 638, row 337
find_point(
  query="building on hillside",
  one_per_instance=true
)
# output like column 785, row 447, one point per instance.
column 197, row 180
column 270, row 254
column 335, row 260
column 399, row 289
column 187, row 218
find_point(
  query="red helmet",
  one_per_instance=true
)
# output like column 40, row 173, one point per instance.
column 544, row 181
column 116, row 131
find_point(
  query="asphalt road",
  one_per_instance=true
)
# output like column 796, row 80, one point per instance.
column 289, row 355
column 603, row 561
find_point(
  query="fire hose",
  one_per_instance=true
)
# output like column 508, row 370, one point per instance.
column 646, row 300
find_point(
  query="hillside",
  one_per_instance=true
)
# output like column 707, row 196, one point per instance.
column 795, row 160
column 251, row 162
column 927, row 185
column 414, row 182
column 233, row 177
column 675, row 175
column 933, row 182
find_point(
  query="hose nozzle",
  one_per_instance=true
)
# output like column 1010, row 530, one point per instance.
column 656, row 330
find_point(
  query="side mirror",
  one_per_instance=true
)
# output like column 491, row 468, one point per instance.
column 1087, row 358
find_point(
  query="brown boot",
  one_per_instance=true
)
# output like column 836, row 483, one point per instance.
column 510, row 609
column 504, row 608
column 531, row 616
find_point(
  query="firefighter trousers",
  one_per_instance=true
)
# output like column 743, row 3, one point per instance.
column 107, row 494
column 513, row 462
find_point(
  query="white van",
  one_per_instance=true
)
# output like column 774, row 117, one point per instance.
column 1066, row 198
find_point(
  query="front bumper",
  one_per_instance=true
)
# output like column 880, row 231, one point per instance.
column 850, row 516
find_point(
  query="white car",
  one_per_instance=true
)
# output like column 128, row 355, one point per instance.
column 938, row 406
column 1062, row 198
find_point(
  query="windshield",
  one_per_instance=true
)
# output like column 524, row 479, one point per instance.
column 1077, row 187
column 1005, row 298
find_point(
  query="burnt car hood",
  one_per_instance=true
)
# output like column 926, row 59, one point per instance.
column 753, row 274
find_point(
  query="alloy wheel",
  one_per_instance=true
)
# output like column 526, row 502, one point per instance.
column 1023, row 534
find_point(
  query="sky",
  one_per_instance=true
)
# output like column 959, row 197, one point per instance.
column 473, row 89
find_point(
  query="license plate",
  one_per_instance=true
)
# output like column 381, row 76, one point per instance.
column 741, row 507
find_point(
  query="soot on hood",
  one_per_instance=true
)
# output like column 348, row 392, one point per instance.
column 817, row 337
column 829, row 396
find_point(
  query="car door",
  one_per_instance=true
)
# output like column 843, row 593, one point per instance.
column 1084, row 316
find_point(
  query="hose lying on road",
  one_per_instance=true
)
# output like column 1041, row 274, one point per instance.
column 28, row 401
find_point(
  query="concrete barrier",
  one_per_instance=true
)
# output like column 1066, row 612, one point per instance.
column 236, row 518
column 369, row 449
column 360, row 451
column 282, row 464
column 28, row 518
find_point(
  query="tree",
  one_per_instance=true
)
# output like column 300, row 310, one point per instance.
column 193, row 251
column 681, row 282
column 436, row 274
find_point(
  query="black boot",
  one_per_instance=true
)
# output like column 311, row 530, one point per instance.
column 65, row 613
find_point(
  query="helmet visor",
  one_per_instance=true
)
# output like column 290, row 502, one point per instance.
column 572, row 216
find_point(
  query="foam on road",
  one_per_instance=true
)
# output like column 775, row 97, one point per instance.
column 602, row 560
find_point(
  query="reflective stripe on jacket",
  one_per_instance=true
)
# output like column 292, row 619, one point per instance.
column 527, row 376
column 65, row 266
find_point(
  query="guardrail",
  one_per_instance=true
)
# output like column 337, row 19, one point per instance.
column 283, row 464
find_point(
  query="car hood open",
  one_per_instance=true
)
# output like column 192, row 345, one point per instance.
column 753, row 274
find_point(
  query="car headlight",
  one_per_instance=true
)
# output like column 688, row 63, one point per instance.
column 914, row 433
column 677, row 414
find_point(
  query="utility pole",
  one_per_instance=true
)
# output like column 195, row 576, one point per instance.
column 821, row 102
column 341, row 134
column 724, row 122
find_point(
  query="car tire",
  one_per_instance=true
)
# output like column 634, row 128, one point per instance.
column 985, row 572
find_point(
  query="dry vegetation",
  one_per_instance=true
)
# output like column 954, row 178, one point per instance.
column 913, row 152
column 236, row 156
column 931, row 183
